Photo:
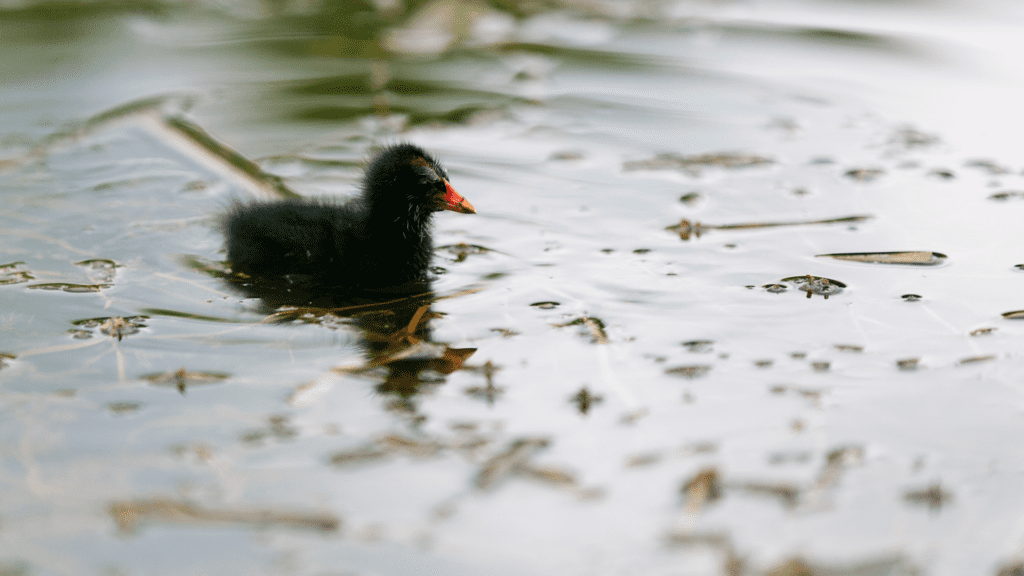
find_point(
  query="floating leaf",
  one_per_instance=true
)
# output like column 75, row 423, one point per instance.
column 694, row 371
column 685, row 228
column 1015, row 315
column 816, row 285
column 10, row 275
column 690, row 198
column 699, row 345
column 594, row 325
column 129, row 516
column 77, row 288
column 692, row 165
column 908, row 364
column 917, row 258
column 864, row 174
column 1006, row 195
column 106, row 268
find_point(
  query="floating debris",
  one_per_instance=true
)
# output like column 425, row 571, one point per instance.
column 942, row 174
column 989, row 166
column 918, row 258
column 548, row 475
column 781, row 458
column 113, row 326
column 106, row 269
column 816, row 285
column 594, row 326
column 1006, row 195
column 982, row 331
column 182, row 379
column 933, row 496
column 1015, row 315
column 462, row 251
column 66, row 287
column 975, row 360
column 690, row 372
column 643, row 460
column 130, row 516
column 119, row 327
column 888, row 566
column 4, row 357
column 864, row 174
column 775, row 288
column 911, row 297
column 686, row 229
column 278, row 427
column 821, row 366
column 908, row 364
column 836, row 462
column 358, row 456
column 489, row 392
column 509, row 462
column 1014, row 569
column 585, row 400
column 699, row 345
column 546, row 305
column 9, row 274
column 396, row 444
column 912, row 138
column 691, row 198
column 787, row 493
column 213, row 269
column 692, row 165
column 567, row 155
column 702, row 489
column 848, row 347
column 122, row 408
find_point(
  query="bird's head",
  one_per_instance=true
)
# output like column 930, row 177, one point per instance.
column 407, row 171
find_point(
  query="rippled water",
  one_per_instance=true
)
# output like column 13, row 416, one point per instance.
column 629, row 365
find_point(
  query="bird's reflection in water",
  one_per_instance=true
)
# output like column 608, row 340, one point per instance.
column 394, row 325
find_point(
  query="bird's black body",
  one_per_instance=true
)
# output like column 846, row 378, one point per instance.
column 379, row 239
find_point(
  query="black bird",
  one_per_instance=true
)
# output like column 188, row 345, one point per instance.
column 380, row 239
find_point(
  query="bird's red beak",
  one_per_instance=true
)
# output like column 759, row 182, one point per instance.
column 455, row 202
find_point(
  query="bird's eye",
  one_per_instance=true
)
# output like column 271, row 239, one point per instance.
column 426, row 175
